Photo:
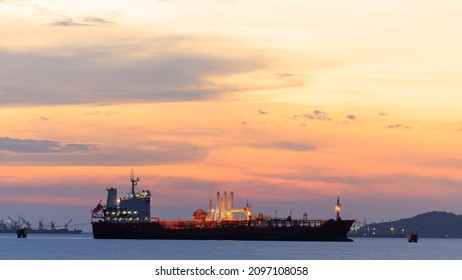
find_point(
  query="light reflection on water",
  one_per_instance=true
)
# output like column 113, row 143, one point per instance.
column 84, row 247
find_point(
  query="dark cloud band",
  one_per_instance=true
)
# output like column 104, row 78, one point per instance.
column 33, row 152
column 41, row 146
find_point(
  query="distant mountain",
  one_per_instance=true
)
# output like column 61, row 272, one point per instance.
column 432, row 224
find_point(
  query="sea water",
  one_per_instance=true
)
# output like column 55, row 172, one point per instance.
column 84, row 247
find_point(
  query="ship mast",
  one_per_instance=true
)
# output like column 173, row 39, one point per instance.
column 337, row 208
column 134, row 182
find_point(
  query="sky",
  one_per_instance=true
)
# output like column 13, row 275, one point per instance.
column 288, row 104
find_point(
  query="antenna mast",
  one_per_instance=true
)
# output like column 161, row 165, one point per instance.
column 134, row 182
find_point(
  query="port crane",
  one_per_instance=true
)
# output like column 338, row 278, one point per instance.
column 42, row 225
column 15, row 223
column 27, row 223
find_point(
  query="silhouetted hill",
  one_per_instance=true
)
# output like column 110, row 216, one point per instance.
column 431, row 224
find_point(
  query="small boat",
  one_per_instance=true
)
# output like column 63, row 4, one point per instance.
column 22, row 233
column 413, row 237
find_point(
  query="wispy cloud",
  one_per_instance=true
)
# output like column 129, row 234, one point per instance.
column 116, row 75
column 56, row 17
column 13, row 1
column 41, row 119
column 261, row 112
column 384, row 183
column 318, row 116
column 68, row 22
column 398, row 126
column 41, row 146
column 82, row 21
column 288, row 145
column 282, row 144
column 31, row 151
column 351, row 117
column 96, row 113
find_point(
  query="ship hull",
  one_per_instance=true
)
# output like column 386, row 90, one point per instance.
column 329, row 231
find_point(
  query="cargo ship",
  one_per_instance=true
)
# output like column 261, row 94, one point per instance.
column 129, row 218
column 12, row 226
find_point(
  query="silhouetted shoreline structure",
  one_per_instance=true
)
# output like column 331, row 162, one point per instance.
column 435, row 224
column 13, row 226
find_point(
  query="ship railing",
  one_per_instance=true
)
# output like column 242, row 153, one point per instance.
column 188, row 224
column 294, row 223
column 178, row 224
column 97, row 216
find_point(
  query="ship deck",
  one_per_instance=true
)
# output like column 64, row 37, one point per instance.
column 240, row 223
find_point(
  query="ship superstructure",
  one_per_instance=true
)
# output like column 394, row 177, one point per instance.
column 134, row 208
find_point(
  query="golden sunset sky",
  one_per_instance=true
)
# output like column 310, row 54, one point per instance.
column 287, row 103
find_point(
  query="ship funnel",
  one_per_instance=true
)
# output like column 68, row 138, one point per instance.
column 337, row 208
column 133, row 180
column 217, row 207
column 112, row 198
column 231, row 201
column 222, row 207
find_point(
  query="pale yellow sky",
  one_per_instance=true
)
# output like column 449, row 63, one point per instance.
column 403, row 54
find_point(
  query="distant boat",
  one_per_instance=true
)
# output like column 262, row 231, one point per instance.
column 58, row 231
column 12, row 226
column 413, row 237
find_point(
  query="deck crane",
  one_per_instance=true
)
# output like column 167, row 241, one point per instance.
column 66, row 225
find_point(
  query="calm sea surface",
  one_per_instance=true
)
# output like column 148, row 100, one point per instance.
column 84, row 247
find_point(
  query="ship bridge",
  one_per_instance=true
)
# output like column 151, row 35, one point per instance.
column 135, row 207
